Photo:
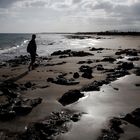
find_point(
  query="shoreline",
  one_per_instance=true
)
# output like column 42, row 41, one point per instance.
column 56, row 76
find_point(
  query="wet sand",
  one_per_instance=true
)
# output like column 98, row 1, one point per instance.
column 117, row 95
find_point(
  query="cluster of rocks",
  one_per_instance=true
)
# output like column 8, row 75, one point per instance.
column 129, row 52
column 12, row 103
column 78, row 36
column 51, row 127
column 18, row 61
column 87, row 71
column 94, row 86
column 70, row 53
column 87, row 62
column 114, row 128
column 133, row 117
column 108, row 59
column 70, row 97
column 61, row 80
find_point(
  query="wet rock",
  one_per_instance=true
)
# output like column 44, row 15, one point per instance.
column 100, row 67
column 137, row 72
column 76, row 75
column 50, row 79
column 80, row 53
column 28, row 84
column 76, row 117
column 52, row 126
column 87, row 71
column 130, row 52
column 96, row 49
column 113, row 132
column 134, row 59
column 64, row 81
column 133, row 117
column 116, row 74
column 81, row 62
column 108, row 59
column 94, row 86
column 6, row 114
column 22, row 109
column 61, row 52
column 70, row 97
column 126, row 65
column 34, row 102
column 137, row 85
column 70, row 53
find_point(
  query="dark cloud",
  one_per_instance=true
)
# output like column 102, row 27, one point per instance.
column 7, row 3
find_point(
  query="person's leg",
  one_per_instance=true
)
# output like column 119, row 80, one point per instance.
column 32, row 61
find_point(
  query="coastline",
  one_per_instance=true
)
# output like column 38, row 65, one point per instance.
column 83, row 70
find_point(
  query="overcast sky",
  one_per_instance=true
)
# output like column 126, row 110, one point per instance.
column 68, row 15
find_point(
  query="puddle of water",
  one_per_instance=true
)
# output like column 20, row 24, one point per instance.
column 101, row 105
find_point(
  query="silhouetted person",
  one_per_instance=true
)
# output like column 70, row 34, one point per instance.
column 31, row 48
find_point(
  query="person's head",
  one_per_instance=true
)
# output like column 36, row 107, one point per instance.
column 33, row 36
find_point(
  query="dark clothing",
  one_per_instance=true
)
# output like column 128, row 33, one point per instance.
column 32, row 47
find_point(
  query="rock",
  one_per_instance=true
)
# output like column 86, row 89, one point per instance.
column 108, row 59
column 9, row 93
column 137, row 85
column 22, row 109
column 113, row 132
column 137, row 72
column 64, row 81
column 61, row 52
column 70, row 53
column 35, row 102
column 94, row 86
column 126, row 65
column 50, row 80
column 100, row 67
column 76, row 75
column 130, row 52
column 87, row 75
column 70, row 97
column 80, row 53
column 133, row 117
column 7, row 114
column 49, row 128
column 134, row 59
column 75, row 117
column 96, row 49
column 28, row 84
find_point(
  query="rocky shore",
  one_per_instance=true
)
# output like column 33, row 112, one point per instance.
column 37, row 99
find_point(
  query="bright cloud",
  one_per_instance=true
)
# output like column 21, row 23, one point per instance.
column 68, row 15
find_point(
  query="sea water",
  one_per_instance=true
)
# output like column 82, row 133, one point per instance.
column 12, row 45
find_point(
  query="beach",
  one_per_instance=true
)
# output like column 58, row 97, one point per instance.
column 84, row 92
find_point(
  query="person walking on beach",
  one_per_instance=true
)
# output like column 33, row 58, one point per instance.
column 31, row 48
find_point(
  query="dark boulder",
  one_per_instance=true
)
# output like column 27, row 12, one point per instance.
column 99, row 67
column 87, row 71
column 133, row 117
column 137, row 72
column 108, row 59
column 70, row 97
column 76, row 75
column 126, row 65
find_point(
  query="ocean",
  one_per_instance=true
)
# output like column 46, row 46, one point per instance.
column 12, row 45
